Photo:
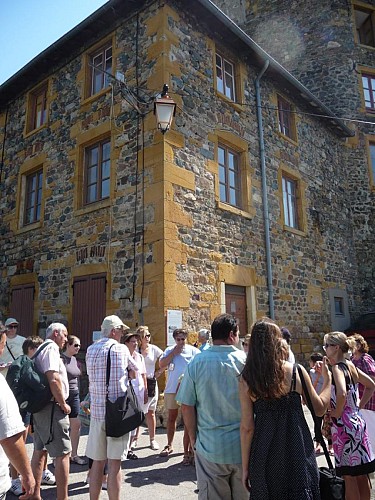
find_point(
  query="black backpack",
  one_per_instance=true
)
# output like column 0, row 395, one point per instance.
column 30, row 387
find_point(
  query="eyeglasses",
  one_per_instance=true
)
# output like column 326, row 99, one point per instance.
column 12, row 326
column 245, row 343
column 147, row 336
column 180, row 339
column 77, row 345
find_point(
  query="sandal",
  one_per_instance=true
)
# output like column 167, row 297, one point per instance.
column 167, row 450
column 186, row 460
column 131, row 456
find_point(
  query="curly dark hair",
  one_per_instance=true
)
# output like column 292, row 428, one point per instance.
column 263, row 371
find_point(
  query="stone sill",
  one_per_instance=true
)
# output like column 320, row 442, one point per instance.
column 288, row 139
column 92, row 98
column 35, row 130
column 237, row 107
column 92, row 207
column 298, row 232
column 29, row 227
column 234, row 210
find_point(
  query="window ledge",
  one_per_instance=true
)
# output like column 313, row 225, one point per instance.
column 35, row 130
column 364, row 46
column 93, row 97
column 294, row 230
column 29, row 227
column 234, row 210
column 235, row 105
column 92, row 207
column 287, row 138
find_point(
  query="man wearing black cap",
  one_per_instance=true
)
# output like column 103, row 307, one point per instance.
column 13, row 347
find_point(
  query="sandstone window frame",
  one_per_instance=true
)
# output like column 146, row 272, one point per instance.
column 364, row 24
column 33, row 196
column 286, row 173
column 37, row 108
column 286, row 119
column 27, row 170
column 98, row 167
column 230, row 191
column 241, row 148
column 370, row 146
column 368, row 91
column 239, row 72
column 90, row 91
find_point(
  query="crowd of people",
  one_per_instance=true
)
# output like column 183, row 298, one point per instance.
column 245, row 432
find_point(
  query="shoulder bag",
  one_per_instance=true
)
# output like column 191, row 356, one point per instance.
column 125, row 414
column 332, row 487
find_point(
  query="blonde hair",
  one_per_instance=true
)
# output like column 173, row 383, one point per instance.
column 359, row 343
column 142, row 331
column 337, row 338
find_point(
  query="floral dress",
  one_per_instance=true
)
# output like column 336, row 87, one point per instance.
column 353, row 453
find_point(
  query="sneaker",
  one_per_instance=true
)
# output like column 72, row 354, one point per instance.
column 16, row 487
column 48, row 478
column 134, row 445
column 154, row 445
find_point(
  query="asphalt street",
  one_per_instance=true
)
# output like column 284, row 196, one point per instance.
column 148, row 477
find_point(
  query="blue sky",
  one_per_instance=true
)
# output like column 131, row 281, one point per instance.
column 30, row 26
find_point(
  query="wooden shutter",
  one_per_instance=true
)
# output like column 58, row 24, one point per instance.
column 22, row 308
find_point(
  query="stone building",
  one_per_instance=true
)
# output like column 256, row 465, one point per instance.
column 229, row 210
column 331, row 51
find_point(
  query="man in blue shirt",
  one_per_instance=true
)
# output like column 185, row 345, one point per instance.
column 212, row 413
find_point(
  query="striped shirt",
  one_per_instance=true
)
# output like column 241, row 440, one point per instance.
column 96, row 362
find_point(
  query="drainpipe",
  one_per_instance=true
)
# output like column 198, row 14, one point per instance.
column 264, row 190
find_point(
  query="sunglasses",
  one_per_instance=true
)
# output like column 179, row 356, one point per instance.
column 77, row 345
column 147, row 336
column 180, row 339
column 328, row 345
column 12, row 326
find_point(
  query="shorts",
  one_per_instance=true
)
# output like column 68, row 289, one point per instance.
column 57, row 442
column 74, row 402
column 152, row 402
column 101, row 447
column 170, row 402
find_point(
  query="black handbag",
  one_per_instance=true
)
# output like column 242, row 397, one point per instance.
column 125, row 414
column 332, row 487
column 151, row 387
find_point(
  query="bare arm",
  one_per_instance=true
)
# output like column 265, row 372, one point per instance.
column 145, row 396
column 341, row 392
column 54, row 381
column 164, row 362
column 14, row 447
column 320, row 401
column 190, row 420
column 246, row 430
column 369, row 387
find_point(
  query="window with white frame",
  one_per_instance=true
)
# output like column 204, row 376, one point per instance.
column 229, row 176
column 100, row 68
column 289, row 188
column 368, row 83
column 225, row 77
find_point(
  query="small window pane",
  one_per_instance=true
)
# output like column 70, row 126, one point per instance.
column 223, row 195
column 105, row 170
column 92, row 175
column 105, row 188
column 91, row 194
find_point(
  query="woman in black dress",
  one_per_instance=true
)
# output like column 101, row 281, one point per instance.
column 278, row 458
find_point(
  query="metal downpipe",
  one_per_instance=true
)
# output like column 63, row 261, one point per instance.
column 264, row 190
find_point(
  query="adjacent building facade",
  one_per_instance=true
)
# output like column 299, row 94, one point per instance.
column 102, row 214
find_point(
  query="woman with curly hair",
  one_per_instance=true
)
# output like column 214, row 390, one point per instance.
column 278, row 458
column 354, row 458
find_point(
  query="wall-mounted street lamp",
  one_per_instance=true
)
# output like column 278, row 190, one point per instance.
column 164, row 109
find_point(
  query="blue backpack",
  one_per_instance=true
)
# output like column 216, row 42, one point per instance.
column 30, row 387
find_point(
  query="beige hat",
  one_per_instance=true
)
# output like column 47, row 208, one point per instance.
column 113, row 321
column 11, row 321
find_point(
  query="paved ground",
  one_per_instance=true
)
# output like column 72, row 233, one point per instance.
column 148, row 477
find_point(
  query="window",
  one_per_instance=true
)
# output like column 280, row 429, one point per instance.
column 371, row 146
column 368, row 82
column 339, row 306
column 97, row 171
column 225, row 77
column 290, row 202
column 229, row 176
column 37, row 109
column 100, row 62
column 286, row 118
column 364, row 23
column 33, row 197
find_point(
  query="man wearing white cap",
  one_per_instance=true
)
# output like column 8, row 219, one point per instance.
column 13, row 347
column 99, row 446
